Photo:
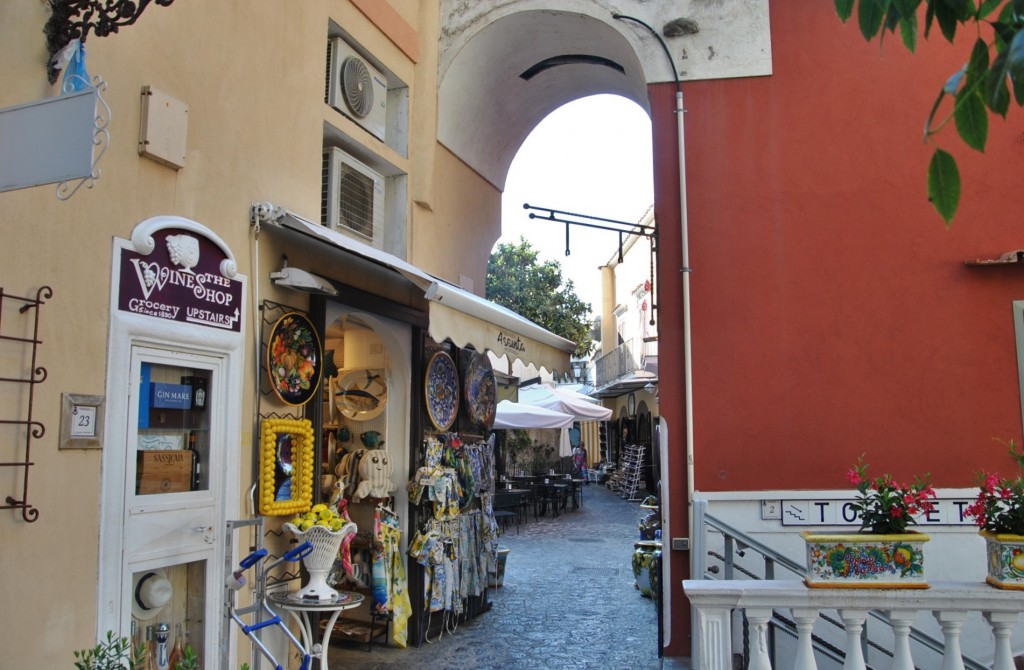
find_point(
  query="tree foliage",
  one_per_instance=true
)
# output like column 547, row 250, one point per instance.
column 984, row 84
column 537, row 291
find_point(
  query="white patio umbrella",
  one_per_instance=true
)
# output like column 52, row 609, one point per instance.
column 510, row 414
column 568, row 402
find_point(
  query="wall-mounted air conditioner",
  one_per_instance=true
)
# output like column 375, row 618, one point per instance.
column 355, row 88
column 352, row 197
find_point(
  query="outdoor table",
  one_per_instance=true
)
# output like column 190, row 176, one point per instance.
column 304, row 610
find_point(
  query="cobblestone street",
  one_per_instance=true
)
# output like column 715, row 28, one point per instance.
column 568, row 601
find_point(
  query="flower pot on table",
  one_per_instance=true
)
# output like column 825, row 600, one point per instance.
column 1005, row 553
column 865, row 560
column 320, row 560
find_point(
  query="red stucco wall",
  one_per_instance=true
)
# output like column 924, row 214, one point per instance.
column 832, row 314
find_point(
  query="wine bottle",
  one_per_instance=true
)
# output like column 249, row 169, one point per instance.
column 150, row 661
column 193, row 446
column 176, row 651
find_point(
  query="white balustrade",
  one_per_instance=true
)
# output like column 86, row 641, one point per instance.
column 948, row 602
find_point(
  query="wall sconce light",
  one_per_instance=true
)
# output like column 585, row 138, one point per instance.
column 300, row 280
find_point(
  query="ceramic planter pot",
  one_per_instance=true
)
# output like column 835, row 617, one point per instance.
column 865, row 560
column 1005, row 559
column 644, row 553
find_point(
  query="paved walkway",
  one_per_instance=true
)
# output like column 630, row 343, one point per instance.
column 568, row 602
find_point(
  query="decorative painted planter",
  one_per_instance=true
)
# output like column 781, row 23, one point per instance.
column 644, row 552
column 497, row 578
column 865, row 560
column 1005, row 559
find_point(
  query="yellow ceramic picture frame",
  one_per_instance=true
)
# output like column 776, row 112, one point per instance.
column 286, row 467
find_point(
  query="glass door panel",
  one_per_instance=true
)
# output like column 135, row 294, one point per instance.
column 172, row 445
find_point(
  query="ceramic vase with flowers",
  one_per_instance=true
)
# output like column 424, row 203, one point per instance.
column 884, row 554
column 999, row 512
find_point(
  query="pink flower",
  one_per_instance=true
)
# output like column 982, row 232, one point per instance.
column 853, row 476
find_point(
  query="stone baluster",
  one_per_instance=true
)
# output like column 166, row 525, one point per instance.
column 853, row 622
column 758, row 621
column 714, row 629
column 805, row 618
column 951, row 623
column 901, row 621
column 1002, row 627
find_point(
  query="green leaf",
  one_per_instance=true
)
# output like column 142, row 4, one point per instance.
column 971, row 118
column 944, row 185
column 844, row 8
column 987, row 7
column 1015, row 57
column 997, row 95
column 908, row 31
column 870, row 14
column 978, row 65
column 947, row 18
column 906, row 8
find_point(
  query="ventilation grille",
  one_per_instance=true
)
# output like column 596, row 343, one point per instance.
column 355, row 87
column 352, row 196
column 357, row 84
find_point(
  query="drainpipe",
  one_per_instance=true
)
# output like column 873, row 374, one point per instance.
column 687, row 361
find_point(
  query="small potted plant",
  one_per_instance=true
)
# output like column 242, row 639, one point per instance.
column 999, row 512
column 884, row 554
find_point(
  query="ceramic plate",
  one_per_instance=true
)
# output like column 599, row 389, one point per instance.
column 294, row 358
column 362, row 394
column 481, row 391
column 442, row 390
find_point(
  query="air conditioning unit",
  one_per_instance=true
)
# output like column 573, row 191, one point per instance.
column 352, row 197
column 355, row 88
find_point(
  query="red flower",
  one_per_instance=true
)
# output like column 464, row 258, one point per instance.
column 853, row 476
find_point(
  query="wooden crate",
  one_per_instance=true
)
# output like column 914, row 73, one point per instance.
column 164, row 471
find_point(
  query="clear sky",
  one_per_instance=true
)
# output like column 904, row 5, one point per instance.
column 591, row 156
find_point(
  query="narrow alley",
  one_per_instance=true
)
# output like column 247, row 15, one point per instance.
column 568, row 601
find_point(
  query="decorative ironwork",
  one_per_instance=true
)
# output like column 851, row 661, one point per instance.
column 75, row 19
column 622, row 228
column 36, row 375
column 100, row 139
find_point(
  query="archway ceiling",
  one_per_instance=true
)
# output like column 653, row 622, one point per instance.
column 486, row 109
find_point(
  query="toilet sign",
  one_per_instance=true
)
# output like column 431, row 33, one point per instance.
column 180, row 281
column 947, row 512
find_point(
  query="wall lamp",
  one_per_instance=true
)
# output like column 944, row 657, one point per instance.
column 300, row 280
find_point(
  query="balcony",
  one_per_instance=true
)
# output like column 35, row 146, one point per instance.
column 751, row 609
column 624, row 369
column 762, row 602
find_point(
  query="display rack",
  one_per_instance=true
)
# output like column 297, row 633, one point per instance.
column 33, row 430
column 626, row 479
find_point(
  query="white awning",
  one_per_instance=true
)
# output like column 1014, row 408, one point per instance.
column 454, row 313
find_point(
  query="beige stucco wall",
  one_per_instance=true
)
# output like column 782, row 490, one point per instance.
column 251, row 73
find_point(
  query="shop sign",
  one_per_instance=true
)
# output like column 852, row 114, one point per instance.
column 510, row 342
column 171, row 396
column 180, row 281
column 947, row 512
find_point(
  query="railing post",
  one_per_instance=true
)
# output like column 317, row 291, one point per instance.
column 901, row 621
column 1002, row 627
column 757, row 619
column 698, row 565
column 714, row 628
column 805, row 618
column 853, row 623
column 951, row 623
